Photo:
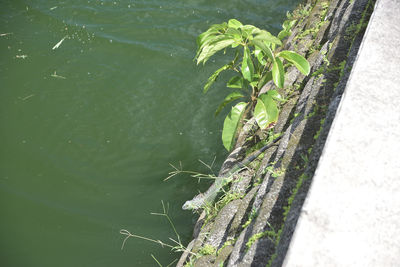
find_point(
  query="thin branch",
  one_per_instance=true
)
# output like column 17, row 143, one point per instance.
column 172, row 262
column 154, row 258
column 128, row 234
column 191, row 173
column 212, row 163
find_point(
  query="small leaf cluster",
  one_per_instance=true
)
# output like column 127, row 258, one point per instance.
column 256, row 61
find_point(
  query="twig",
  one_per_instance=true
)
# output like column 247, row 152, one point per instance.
column 26, row 97
column 59, row 43
column 54, row 75
column 154, row 258
column 128, row 234
column 191, row 173
column 178, row 247
column 165, row 214
column 172, row 262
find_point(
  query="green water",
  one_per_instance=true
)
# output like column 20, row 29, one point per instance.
column 88, row 129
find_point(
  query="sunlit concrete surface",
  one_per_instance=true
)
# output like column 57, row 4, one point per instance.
column 351, row 216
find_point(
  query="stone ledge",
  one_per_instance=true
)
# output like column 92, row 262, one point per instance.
column 351, row 216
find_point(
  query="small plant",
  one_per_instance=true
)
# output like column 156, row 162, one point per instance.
column 269, row 233
column 252, row 216
column 175, row 246
column 275, row 172
column 194, row 174
column 207, row 250
column 256, row 61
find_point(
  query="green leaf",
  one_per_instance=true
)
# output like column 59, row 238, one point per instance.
column 275, row 95
column 234, row 45
column 235, row 34
column 205, row 36
column 248, row 30
column 221, row 26
column 214, row 76
column 283, row 34
column 260, row 56
column 208, row 40
column 231, row 125
column 237, row 55
column 264, row 79
column 298, row 60
column 235, row 24
column 212, row 48
column 266, row 111
column 267, row 51
column 278, row 74
column 288, row 24
column 254, row 83
column 213, row 31
column 267, row 37
column 247, row 65
column 228, row 99
column 235, row 82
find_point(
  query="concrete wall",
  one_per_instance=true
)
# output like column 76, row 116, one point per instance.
column 352, row 213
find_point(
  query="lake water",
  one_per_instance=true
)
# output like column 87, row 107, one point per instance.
column 88, row 129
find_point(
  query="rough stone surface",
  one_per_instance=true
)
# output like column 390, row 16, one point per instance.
column 358, row 174
column 200, row 239
column 243, row 210
column 218, row 232
column 274, row 190
column 205, row 261
column 239, row 248
column 223, row 254
column 185, row 254
column 241, row 181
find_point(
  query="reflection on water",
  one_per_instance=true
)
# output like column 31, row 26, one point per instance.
column 88, row 128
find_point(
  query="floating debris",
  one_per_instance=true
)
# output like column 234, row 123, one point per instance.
column 59, row 43
column 26, row 97
column 54, row 75
column 21, row 56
